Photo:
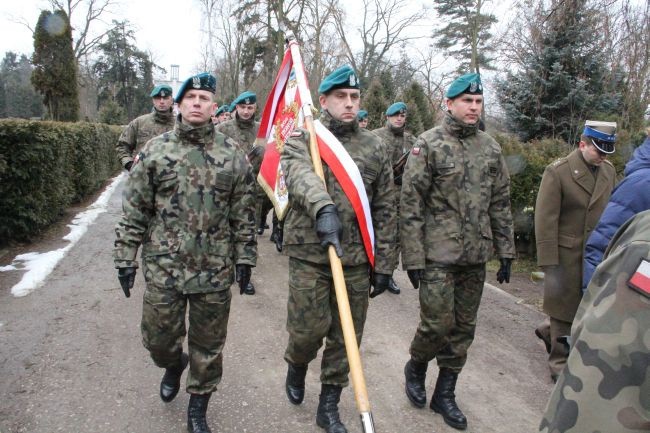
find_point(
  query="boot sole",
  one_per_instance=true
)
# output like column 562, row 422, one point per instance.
column 434, row 407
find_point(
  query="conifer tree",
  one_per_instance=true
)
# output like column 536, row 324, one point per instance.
column 55, row 66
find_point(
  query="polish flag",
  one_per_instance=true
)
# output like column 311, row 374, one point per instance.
column 640, row 280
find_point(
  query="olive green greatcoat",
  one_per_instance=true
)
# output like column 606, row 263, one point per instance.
column 569, row 203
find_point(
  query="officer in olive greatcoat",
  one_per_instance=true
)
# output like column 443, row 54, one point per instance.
column 572, row 195
column 147, row 126
column 189, row 201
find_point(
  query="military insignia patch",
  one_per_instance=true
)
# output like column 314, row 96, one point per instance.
column 473, row 87
column 137, row 158
column 492, row 171
column 353, row 80
column 640, row 279
column 247, row 101
column 196, row 82
column 415, row 151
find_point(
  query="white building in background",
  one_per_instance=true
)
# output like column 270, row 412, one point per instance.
column 173, row 81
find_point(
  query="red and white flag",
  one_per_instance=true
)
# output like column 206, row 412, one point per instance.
column 283, row 113
column 640, row 280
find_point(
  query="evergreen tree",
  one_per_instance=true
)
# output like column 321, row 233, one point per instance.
column 375, row 103
column 17, row 95
column 467, row 33
column 420, row 117
column 125, row 72
column 562, row 81
column 55, row 66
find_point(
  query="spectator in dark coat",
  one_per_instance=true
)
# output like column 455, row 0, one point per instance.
column 630, row 197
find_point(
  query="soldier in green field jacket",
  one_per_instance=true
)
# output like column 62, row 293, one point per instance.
column 605, row 386
column 189, row 201
column 147, row 126
column 455, row 209
column 321, row 215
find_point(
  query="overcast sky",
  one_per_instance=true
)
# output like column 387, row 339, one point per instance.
column 169, row 29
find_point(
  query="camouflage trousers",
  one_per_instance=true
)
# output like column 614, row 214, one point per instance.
column 312, row 314
column 449, row 301
column 163, row 329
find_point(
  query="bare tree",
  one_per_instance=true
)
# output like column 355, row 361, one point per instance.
column 384, row 27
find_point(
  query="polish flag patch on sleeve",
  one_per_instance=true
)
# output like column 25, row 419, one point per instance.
column 640, row 279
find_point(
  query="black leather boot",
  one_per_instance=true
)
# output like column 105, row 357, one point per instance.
column 444, row 400
column 392, row 287
column 171, row 381
column 295, row 383
column 327, row 416
column 415, row 373
column 250, row 289
column 196, row 422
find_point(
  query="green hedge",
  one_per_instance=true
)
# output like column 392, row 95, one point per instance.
column 45, row 167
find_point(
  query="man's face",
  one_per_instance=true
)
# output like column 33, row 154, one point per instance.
column 591, row 154
column 466, row 108
column 224, row 116
column 196, row 107
column 342, row 104
column 363, row 123
column 246, row 111
column 162, row 103
column 398, row 120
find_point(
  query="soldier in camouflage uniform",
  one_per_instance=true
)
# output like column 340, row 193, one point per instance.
column 221, row 115
column 243, row 129
column 146, row 127
column 321, row 215
column 455, row 208
column 399, row 143
column 605, row 386
column 189, row 201
column 362, row 117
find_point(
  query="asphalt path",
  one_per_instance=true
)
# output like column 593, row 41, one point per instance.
column 71, row 358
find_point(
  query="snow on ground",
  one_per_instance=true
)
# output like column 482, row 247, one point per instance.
column 39, row 265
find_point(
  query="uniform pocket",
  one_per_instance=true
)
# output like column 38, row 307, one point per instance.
column 566, row 240
column 223, row 181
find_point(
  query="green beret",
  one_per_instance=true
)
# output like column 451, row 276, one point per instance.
column 202, row 81
column 342, row 78
column 362, row 115
column 245, row 98
column 468, row 83
column 222, row 109
column 232, row 107
column 162, row 90
column 396, row 108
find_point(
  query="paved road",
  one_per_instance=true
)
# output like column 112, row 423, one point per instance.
column 71, row 358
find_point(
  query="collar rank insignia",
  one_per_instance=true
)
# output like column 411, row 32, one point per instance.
column 196, row 82
column 640, row 279
column 415, row 151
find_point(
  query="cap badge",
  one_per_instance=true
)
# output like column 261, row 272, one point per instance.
column 353, row 80
column 473, row 87
column 196, row 82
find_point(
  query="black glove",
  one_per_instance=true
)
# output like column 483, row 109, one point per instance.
column 242, row 276
column 128, row 166
column 127, row 278
column 279, row 235
column 503, row 274
column 329, row 228
column 379, row 284
column 415, row 275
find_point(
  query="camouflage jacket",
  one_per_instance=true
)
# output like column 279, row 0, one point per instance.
column 455, row 199
column 189, row 198
column 605, row 386
column 244, row 132
column 141, row 130
column 307, row 195
column 397, row 141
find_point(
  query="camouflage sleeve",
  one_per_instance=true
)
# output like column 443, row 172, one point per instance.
column 126, row 143
column 415, row 185
column 242, row 211
column 384, row 217
column 501, row 214
column 137, row 212
column 306, row 189
column 547, row 216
